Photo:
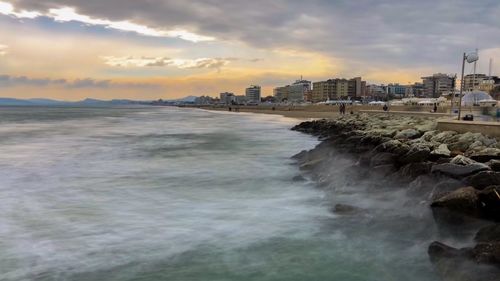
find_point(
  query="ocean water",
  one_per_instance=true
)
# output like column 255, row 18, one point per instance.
column 185, row 194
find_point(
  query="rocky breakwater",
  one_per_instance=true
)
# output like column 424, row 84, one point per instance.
column 457, row 175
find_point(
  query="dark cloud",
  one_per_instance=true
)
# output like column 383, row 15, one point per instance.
column 13, row 81
column 403, row 33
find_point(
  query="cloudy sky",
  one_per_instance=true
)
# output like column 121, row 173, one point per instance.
column 73, row 49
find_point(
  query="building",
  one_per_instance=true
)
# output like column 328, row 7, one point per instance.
column 336, row 89
column 396, row 90
column 308, row 96
column 324, row 90
column 204, row 100
column 252, row 94
column 376, row 92
column 489, row 83
column 473, row 82
column 227, row 98
column 281, row 93
column 415, row 90
column 437, row 84
column 240, row 99
column 296, row 92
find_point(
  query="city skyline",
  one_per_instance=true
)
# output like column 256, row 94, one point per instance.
column 71, row 50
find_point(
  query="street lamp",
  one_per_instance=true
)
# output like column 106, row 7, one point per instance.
column 470, row 58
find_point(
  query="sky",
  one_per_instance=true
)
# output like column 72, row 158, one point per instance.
column 150, row 49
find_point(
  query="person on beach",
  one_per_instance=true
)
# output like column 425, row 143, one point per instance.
column 385, row 108
column 435, row 109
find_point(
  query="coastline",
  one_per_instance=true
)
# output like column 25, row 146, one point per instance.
column 456, row 175
column 297, row 114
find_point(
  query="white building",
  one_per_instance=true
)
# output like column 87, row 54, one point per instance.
column 297, row 91
column 252, row 94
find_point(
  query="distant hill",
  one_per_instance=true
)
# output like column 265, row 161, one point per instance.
column 48, row 102
column 89, row 102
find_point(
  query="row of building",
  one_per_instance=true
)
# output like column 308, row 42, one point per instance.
column 252, row 96
column 355, row 88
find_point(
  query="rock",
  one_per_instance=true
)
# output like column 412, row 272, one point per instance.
column 485, row 154
column 441, row 151
column 444, row 137
column 407, row 134
column 417, row 153
column 445, row 186
column 413, row 170
column 382, row 158
column 483, row 179
column 393, row 146
column 469, row 201
column 476, row 146
column 462, row 160
column 390, row 133
column 459, row 171
column 464, row 200
column 464, row 141
column 487, row 253
column 298, row 178
column 467, row 264
column 345, row 209
column 489, row 203
column 427, row 136
column 488, row 234
column 301, row 156
column 494, row 165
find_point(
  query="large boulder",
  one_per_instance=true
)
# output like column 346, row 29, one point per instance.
column 489, row 233
column 485, row 154
column 393, row 146
column 494, row 165
column 464, row 200
column 459, row 171
column 382, row 158
column 468, row 201
column 407, row 134
column 480, row 263
column 462, row 160
column 417, row 153
column 441, row 151
column 483, row 179
column 427, row 136
column 445, row 137
column 413, row 170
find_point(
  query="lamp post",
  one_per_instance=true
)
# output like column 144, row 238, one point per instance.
column 470, row 58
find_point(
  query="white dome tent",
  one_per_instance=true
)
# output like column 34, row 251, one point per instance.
column 474, row 98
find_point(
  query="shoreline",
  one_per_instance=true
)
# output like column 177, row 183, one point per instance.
column 456, row 175
column 297, row 114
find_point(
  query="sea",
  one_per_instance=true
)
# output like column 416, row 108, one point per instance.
column 166, row 193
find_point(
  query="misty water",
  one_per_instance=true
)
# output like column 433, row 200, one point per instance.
column 185, row 194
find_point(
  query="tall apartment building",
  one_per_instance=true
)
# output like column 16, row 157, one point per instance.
column 281, row 93
column 252, row 94
column 324, row 90
column 473, row 82
column 437, row 84
column 335, row 89
column 295, row 92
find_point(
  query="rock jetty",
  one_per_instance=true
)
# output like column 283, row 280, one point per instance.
column 457, row 175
